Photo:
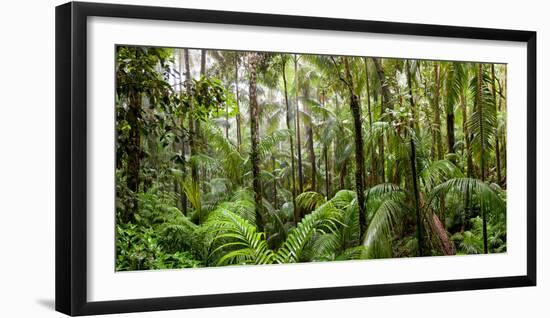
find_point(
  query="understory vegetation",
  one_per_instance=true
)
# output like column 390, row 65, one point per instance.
column 233, row 158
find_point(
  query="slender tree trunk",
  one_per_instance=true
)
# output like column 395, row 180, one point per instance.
column 419, row 234
column 450, row 116
column 134, row 151
column 309, row 134
column 497, row 145
column 359, row 155
column 192, row 131
column 238, row 116
column 385, row 104
column 467, row 139
column 386, row 94
column 275, row 199
column 298, row 135
column 479, row 108
column 183, row 196
column 374, row 170
column 504, row 97
column 291, row 141
column 416, row 129
column 327, row 172
column 411, row 97
column 437, row 115
column 325, row 154
column 336, row 149
column 343, row 173
column 254, row 138
column 198, row 130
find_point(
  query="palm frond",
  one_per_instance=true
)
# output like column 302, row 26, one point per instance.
column 324, row 219
column 238, row 240
column 310, row 200
column 381, row 223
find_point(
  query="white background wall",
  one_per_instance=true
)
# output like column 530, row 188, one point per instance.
column 27, row 158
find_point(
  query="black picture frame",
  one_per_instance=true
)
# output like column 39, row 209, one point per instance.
column 71, row 157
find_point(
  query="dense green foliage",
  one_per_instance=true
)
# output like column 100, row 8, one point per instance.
column 227, row 158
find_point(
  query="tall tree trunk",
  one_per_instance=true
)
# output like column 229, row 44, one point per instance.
column 183, row 196
column 336, row 150
column 386, row 94
column 198, row 130
column 450, row 115
column 291, row 141
column 497, row 144
column 385, row 104
column 134, row 150
column 419, row 234
column 411, row 97
column 438, row 132
column 504, row 97
column 325, row 154
column 275, row 199
column 192, row 131
column 359, row 156
column 374, row 170
column 479, row 108
column 467, row 137
column 254, row 138
column 437, row 114
column 327, row 172
column 309, row 134
column 343, row 173
column 416, row 129
column 238, row 116
column 298, row 135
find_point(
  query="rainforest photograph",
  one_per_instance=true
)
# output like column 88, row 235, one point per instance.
column 228, row 158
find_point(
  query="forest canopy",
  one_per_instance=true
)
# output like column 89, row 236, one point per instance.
column 241, row 158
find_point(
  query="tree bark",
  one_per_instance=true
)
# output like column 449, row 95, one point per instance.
column 437, row 114
column 192, row 131
column 238, row 116
column 479, row 108
column 309, row 134
column 374, row 170
column 386, row 94
column 327, row 172
column 275, row 199
column 359, row 155
column 325, row 154
column 467, row 138
column 198, row 130
column 298, row 135
column 254, row 138
column 419, row 235
column 497, row 144
column 411, row 97
column 450, row 115
column 291, row 141
column 343, row 173
column 385, row 104
column 183, row 196
column 134, row 150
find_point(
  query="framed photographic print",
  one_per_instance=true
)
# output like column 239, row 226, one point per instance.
column 209, row 158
